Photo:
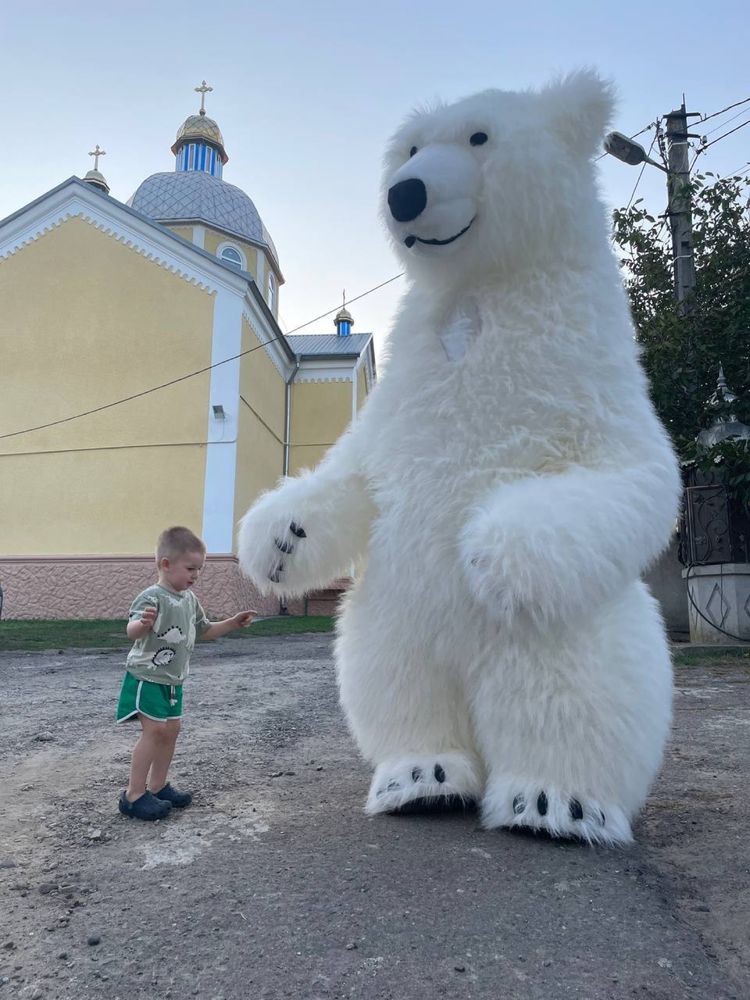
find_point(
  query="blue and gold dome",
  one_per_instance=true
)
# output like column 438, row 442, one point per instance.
column 195, row 191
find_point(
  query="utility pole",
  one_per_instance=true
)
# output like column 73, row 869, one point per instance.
column 679, row 210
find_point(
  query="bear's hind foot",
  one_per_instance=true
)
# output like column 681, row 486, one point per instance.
column 420, row 784
column 519, row 804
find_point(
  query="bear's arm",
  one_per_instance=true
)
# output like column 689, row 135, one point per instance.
column 556, row 546
column 312, row 528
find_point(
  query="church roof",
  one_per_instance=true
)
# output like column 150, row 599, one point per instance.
column 330, row 345
column 194, row 196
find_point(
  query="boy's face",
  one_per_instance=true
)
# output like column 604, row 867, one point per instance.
column 181, row 572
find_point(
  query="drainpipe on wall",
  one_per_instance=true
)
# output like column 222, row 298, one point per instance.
column 283, row 609
column 288, row 417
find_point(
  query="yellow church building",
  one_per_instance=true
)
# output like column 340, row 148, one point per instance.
column 144, row 382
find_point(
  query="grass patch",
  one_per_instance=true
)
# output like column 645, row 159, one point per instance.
column 17, row 635
column 702, row 656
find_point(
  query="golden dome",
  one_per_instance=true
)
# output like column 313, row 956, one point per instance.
column 200, row 128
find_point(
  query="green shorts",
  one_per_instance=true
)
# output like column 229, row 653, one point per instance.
column 156, row 701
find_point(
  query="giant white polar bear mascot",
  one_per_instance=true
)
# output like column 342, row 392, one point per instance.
column 503, row 489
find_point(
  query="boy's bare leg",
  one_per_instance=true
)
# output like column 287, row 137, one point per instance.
column 163, row 758
column 155, row 741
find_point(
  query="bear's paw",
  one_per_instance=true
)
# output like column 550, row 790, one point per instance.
column 541, row 808
column 419, row 784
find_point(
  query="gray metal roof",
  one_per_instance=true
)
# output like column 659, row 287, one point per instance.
column 197, row 196
column 307, row 344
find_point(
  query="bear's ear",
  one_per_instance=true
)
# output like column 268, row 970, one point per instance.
column 580, row 107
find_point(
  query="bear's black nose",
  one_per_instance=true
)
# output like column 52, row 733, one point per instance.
column 407, row 199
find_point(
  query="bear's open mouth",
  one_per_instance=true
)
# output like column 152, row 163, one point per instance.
column 411, row 240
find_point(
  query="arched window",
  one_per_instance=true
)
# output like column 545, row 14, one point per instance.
column 232, row 256
column 272, row 292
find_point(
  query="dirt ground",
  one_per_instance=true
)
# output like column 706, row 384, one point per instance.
column 274, row 884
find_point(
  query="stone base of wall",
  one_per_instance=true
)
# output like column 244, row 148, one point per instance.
column 722, row 593
column 104, row 587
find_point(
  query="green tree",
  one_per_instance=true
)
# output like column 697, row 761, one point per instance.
column 682, row 354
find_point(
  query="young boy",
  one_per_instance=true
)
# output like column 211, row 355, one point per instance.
column 164, row 621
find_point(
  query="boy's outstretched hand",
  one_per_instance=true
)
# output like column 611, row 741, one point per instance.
column 243, row 618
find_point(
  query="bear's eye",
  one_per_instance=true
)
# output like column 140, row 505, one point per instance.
column 478, row 139
column 412, row 151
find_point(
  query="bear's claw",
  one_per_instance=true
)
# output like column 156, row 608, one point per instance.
column 287, row 547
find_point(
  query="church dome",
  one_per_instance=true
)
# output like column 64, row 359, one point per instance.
column 196, row 196
column 200, row 128
column 196, row 192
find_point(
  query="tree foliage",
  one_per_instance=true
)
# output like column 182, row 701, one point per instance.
column 682, row 353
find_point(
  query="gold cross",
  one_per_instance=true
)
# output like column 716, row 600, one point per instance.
column 203, row 90
column 96, row 153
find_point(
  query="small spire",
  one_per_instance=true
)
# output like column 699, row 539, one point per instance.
column 723, row 395
column 203, row 90
column 725, row 423
column 343, row 320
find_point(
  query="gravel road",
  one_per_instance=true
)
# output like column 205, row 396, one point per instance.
column 274, row 884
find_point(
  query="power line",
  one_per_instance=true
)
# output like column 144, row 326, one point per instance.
column 270, row 430
column 719, row 138
column 727, row 108
column 153, row 444
column 724, row 123
column 199, row 371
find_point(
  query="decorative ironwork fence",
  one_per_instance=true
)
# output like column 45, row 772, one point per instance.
column 714, row 526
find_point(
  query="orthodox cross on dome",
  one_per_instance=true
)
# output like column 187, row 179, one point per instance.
column 203, row 90
column 96, row 153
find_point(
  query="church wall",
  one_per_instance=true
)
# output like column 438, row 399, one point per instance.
column 87, row 321
column 321, row 412
column 109, row 502
column 361, row 387
column 260, row 446
column 186, row 232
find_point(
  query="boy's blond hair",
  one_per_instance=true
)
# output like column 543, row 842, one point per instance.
column 176, row 542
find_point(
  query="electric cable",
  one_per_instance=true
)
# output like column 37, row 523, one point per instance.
column 199, row 371
column 638, row 181
column 727, row 108
column 742, row 167
column 719, row 138
column 724, row 123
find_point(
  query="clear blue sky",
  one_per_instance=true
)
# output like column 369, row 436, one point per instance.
column 307, row 94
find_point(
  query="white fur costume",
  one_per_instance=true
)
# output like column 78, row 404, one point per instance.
column 503, row 489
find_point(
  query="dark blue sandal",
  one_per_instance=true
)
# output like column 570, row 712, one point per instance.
column 147, row 807
column 178, row 799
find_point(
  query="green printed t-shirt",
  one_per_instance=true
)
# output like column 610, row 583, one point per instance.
column 162, row 655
